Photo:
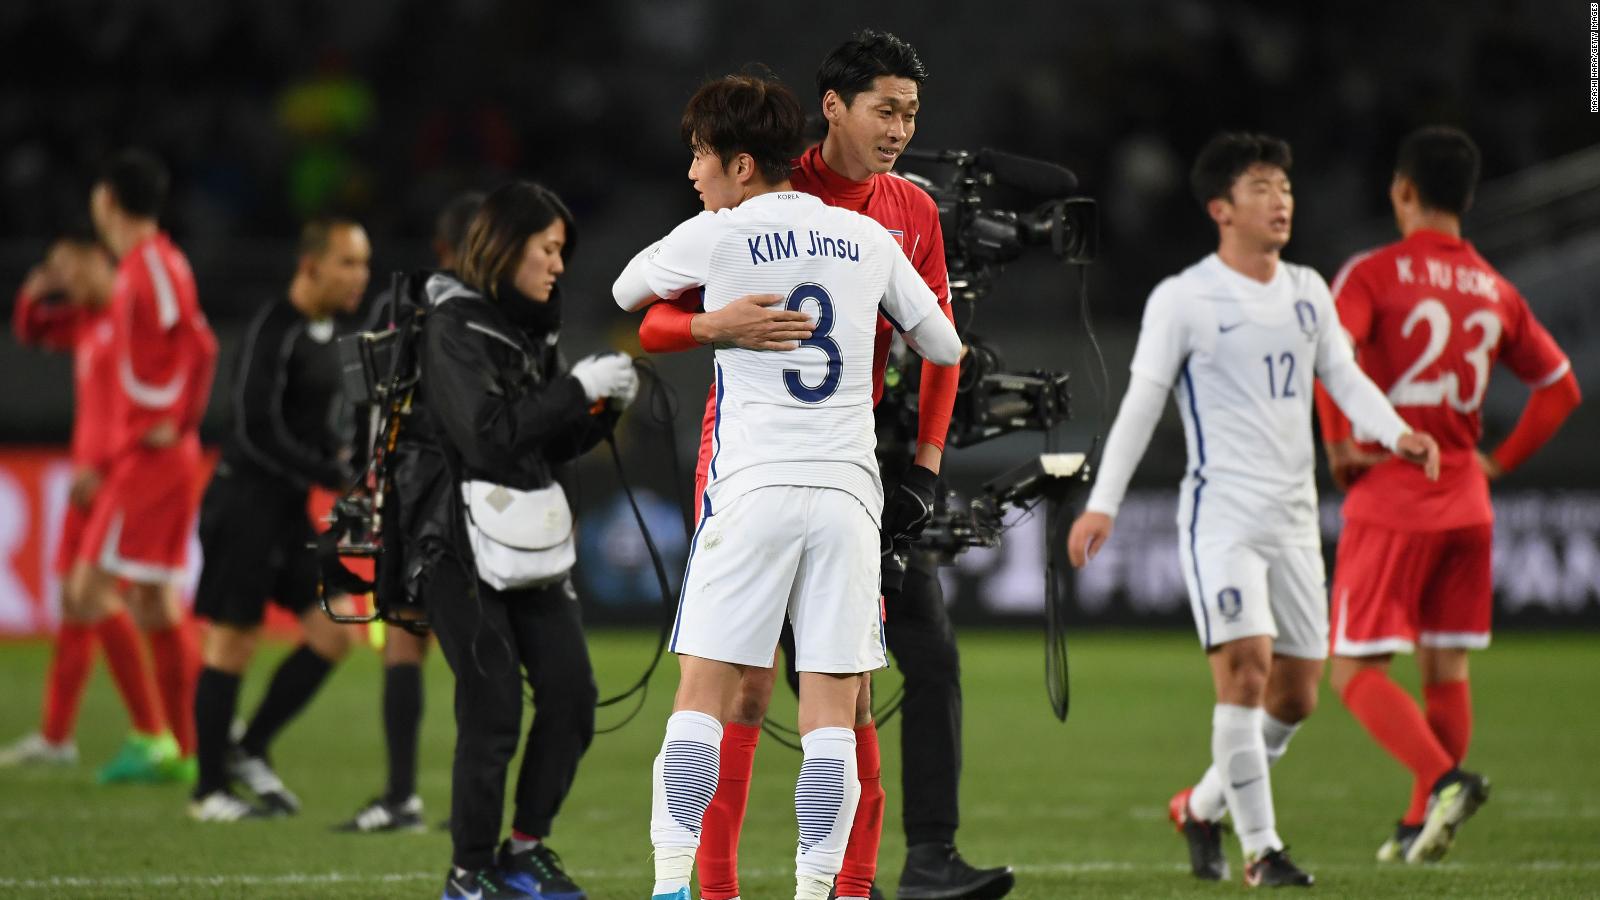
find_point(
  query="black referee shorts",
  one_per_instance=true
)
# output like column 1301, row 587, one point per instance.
column 254, row 540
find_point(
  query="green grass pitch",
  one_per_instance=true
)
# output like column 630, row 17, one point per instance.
column 1079, row 808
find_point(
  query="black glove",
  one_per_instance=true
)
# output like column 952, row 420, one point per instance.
column 907, row 510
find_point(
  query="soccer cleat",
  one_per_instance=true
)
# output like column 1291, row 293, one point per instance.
column 143, row 759
column 538, row 872
column 223, row 806
column 382, row 815
column 936, row 871
column 257, row 775
column 181, row 770
column 34, row 750
column 1394, row 849
column 1456, row 796
column 679, row 894
column 1274, row 868
column 481, row 884
column 1206, row 859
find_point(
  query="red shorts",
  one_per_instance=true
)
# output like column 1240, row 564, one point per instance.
column 1394, row 589
column 141, row 521
column 71, row 539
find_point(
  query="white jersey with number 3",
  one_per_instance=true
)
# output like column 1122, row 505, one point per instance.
column 799, row 417
column 1241, row 356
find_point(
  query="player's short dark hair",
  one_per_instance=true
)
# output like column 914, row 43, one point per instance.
column 1227, row 155
column 499, row 232
column 746, row 113
column 1443, row 163
column 866, row 56
column 450, row 227
column 316, row 234
column 138, row 181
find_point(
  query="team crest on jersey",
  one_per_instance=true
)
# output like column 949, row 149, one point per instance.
column 899, row 237
column 1307, row 314
column 1230, row 603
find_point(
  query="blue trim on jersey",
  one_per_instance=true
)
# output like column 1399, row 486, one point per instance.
column 1194, row 515
column 684, row 586
column 885, row 313
column 716, row 427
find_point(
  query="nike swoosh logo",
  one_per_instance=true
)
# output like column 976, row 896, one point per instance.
column 1224, row 329
column 1241, row 785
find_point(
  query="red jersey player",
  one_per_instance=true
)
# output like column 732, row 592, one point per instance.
column 78, row 276
column 164, row 354
column 1429, row 318
column 869, row 94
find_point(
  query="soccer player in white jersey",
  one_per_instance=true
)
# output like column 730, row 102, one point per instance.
column 790, row 514
column 1238, row 337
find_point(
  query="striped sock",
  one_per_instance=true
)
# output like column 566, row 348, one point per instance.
column 685, row 777
column 825, row 798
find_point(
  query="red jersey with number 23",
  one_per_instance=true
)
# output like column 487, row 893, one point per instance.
column 1429, row 319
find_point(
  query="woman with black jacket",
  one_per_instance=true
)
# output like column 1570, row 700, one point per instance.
column 496, row 413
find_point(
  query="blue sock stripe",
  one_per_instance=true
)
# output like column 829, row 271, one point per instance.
column 818, row 796
column 689, row 775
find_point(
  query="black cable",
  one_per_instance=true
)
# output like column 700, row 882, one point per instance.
column 663, row 404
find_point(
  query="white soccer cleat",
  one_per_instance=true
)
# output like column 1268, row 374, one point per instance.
column 34, row 750
column 223, row 806
column 254, row 773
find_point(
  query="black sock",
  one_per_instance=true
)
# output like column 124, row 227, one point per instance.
column 402, row 719
column 293, row 685
column 216, row 696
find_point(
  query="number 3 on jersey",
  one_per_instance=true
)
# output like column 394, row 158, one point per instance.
column 1412, row 390
column 798, row 298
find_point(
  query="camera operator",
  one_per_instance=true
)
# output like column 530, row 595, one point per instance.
column 869, row 90
column 503, row 412
column 399, row 808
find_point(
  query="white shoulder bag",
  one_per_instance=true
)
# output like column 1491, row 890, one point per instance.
column 520, row 539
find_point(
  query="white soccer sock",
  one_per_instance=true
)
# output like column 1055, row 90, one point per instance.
column 825, row 797
column 1239, row 752
column 684, row 778
column 1208, row 803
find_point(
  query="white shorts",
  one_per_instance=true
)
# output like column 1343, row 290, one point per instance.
column 1240, row 589
column 808, row 552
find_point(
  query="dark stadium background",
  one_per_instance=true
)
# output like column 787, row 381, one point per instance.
column 269, row 111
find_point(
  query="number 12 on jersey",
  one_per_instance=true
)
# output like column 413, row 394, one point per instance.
column 792, row 380
column 1285, row 362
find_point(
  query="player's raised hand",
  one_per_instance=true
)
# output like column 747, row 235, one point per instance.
column 1420, row 448
column 1089, row 533
column 753, row 323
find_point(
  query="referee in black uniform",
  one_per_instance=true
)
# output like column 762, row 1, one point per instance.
column 289, row 433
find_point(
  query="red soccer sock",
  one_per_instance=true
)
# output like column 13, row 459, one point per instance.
column 861, row 850
column 177, row 667
column 1397, row 724
column 125, row 659
column 1449, row 706
column 717, row 860
column 69, row 674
